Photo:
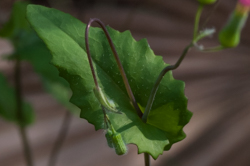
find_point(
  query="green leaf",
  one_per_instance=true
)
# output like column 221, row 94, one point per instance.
column 8, row 105
column 64, row 36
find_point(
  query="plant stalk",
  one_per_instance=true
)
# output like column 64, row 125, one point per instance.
column 197, row 20
column 123, row 74
column 93, row 71
column 172, row 67
column 147, row 159
column 19, row 113
column 89, row 57
column 60, row 139
column 157, row 82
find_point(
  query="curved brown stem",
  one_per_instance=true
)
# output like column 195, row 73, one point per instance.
column 123, row 74
column 89, row 57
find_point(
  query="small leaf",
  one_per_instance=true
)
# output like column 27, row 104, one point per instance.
column 64, row 36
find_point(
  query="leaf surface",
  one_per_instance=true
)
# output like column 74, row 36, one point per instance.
column 64, row 36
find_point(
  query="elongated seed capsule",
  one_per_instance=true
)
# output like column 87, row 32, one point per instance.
column 107, row 104
column 119, row 145
column 229, row 36
column 109, row 137
column 206, row 2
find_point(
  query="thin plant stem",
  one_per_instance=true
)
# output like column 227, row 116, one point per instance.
column 105, row 117
column 197, row 20
column 26, row 146
column 19, row 113
column 147, row 159
column 60, row 139
column 89, row 57
column 93, row 71
column 208, row 17
column 123, row 74
column 157, row 82
column 172, row 67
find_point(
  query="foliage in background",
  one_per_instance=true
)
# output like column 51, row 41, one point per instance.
column 32, row 49
column 13, row 29
column 8, row 105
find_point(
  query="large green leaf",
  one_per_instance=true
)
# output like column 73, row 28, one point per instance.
column 64, row 36
column 8, row 108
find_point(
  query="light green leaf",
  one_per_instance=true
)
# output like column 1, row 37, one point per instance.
column 64, row 36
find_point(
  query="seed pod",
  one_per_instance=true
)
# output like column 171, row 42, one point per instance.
column 229, row 36
column 206, row 2
column 109, row 137
column 119, row 145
